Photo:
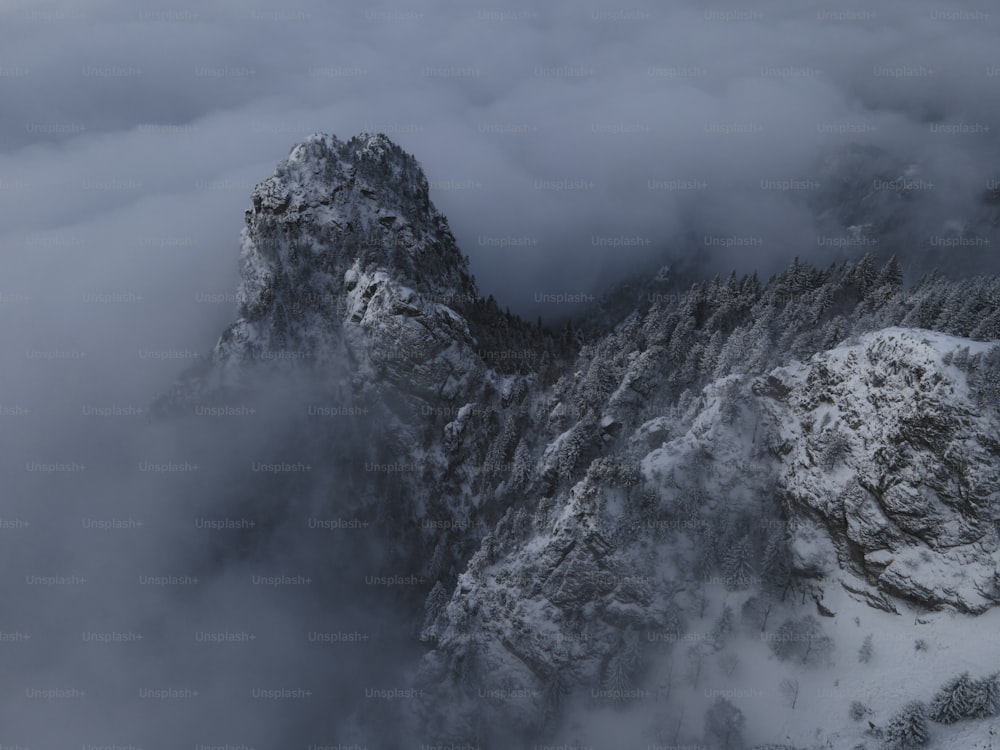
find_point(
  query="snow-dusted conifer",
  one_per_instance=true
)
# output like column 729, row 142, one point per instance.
column 907, row 730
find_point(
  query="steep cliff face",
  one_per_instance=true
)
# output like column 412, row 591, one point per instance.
column 343, row 254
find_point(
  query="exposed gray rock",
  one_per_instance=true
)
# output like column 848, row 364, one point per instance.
column 896, row 460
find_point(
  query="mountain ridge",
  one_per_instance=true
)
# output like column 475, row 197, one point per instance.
column 538, row 484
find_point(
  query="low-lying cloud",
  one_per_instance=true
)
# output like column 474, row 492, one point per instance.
column 568, row 146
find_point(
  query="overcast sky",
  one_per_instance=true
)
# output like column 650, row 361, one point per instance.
column 568, row 144
column 553, row 136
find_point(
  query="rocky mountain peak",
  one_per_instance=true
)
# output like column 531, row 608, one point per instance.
column 332, row 213
column 347, row 267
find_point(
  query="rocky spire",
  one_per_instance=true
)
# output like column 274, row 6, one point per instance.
column 331, row 211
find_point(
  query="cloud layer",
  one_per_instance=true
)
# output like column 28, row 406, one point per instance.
column 567, row 145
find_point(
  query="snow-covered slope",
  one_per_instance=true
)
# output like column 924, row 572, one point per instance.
column 883, row 444
column 891, row 497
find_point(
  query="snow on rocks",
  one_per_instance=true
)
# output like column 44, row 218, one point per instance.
column 894, row 458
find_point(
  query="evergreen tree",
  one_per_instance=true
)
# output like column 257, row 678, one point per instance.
column 864, row 274
column 625, row 663
column 988, row 695
column 729, row 405
column 521, row 471
column 798, row 277
column 955, row 701
column 489, row 549
column 436, row 601
column 907, row 730
column 570, row 451
column 738, row 566
column 964, row 698
column 712, row 365
column 984, row 378
column 961, row 358
column 777, row 563
column 891, row 274
column 866, row 650
column 835, row 445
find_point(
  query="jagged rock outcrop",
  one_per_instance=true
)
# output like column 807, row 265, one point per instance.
column 890, row 451
column 870, row 465
column 344, row 258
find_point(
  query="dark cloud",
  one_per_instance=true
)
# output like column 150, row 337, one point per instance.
column 554, row 137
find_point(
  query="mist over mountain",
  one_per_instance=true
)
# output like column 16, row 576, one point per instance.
column 632, row 133
column 383, row 508
column 369, row 386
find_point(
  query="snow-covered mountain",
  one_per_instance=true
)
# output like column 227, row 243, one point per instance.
column 577, row 507
column 870, row 467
